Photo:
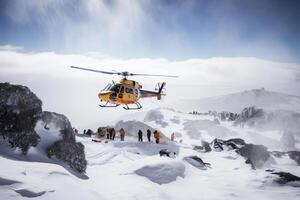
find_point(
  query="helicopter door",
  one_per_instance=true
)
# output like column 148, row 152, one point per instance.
column 121, row 92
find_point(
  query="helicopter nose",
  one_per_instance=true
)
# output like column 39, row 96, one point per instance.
column 104, row 96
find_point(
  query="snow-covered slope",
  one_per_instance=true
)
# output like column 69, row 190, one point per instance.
column 134, row 170
column 235, row 102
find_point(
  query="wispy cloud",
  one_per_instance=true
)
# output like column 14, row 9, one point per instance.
column 9, row 47
column 62, row 89
column 172, row 29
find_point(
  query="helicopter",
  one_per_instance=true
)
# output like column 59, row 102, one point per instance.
column 126, row 92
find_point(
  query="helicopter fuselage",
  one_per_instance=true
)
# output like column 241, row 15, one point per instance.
column 125, row 92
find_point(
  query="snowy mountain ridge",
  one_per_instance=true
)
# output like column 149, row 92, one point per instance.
column 235, row 102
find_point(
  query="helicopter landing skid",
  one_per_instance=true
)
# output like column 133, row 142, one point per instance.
column 137, row 108
column 108, row 106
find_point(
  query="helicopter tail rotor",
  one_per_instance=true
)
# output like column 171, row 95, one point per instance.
column 161, row 90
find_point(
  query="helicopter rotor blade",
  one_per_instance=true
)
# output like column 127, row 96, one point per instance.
column 131, row 74
column 121, row 73
column 93, row 70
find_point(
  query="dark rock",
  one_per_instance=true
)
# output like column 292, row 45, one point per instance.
column 295, row 155
column 70, row 153
column 206, row 146
column 4, row 181
column 102, row 132
column 19, row 111
column 166, row 152
column 61, row 122
column 217, row 144
column 285, row 177
column 67, row 149
column 196, row 162
column 236, row 141
column 256, row 155
column 29, row 194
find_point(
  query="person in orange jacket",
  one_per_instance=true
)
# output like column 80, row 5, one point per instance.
column 156, row 136
column 122, row 134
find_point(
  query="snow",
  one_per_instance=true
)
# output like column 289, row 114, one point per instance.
column 162, row 173
column 235, row 102
column 134, row 170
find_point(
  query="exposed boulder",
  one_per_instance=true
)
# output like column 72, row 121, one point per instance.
column 19, row 111
column 234, row 143
column 65, row 149
column 167, row 153
column 285, row 177
column 24, row 125
column 217, row 144
column 205, row 147
column 256, row 155
column 70, row 152
column 196, row 162
column 102, row 132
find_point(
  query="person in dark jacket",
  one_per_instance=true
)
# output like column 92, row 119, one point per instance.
column 107, row 133
column 110, row 133
column 149, row 135
column 140, row 134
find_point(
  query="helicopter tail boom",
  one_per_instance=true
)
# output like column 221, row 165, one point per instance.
column 158, row 94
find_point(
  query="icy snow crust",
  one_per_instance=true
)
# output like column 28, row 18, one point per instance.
column 133, row 170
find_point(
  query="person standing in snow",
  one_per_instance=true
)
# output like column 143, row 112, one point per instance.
column 149, row 135
column 107, row 133
column 113, row 133
column 156, row 136
column 122, row 134
column 140, row 134
column 110, row 133
column 172, row 136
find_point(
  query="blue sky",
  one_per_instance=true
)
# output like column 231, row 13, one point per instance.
column 170, row 29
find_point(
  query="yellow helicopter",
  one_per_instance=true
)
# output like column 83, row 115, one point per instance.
column 126, row 92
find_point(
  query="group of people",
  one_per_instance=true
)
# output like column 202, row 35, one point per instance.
column 111, row 134
column 155, row 134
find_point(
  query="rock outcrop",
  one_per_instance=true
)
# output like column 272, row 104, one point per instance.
column 24, row 125
column 19, row 111
column 66, row 149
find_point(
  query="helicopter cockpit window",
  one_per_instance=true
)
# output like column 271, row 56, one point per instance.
column 129, row 90
column 107, row 87
column 115, row 88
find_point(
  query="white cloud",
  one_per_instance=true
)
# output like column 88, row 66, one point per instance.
column 9, row 47
column 64, row 90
